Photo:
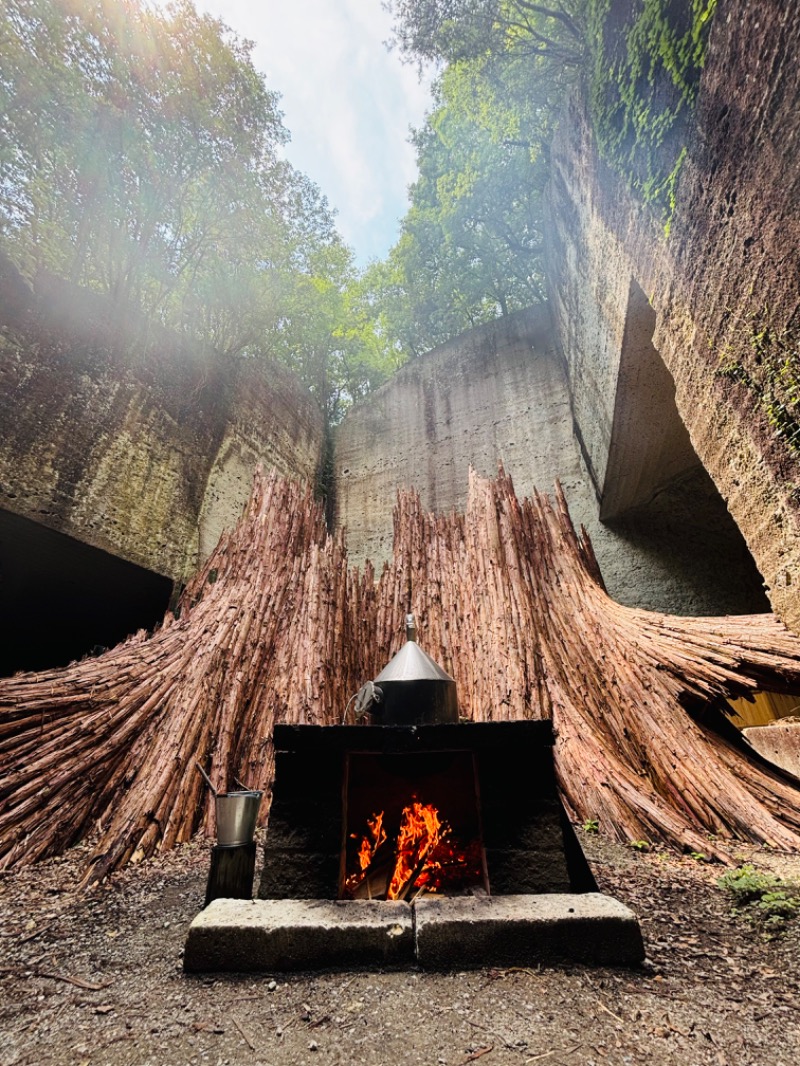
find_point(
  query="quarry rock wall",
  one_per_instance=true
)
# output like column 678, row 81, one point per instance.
column 644, row 386
column 128, row 439
column 651, row 399
column 722, row 285
column 496, row 394
column 500, row 394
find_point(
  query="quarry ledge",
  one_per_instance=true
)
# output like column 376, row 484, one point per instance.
column 436, row 933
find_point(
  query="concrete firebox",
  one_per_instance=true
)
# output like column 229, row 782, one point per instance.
column 537, row 902
column 528, row 842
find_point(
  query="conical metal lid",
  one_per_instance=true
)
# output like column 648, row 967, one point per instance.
column 411, row 663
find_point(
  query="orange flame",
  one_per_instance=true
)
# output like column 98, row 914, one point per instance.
column 371, row 843
column 425, row 856
column 421, row 829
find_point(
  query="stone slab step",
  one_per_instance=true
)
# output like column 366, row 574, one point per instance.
column 462, row 932
column 267, row 935
column 778, row 743
column 455, row 933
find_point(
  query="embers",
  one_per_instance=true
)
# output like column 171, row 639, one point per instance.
column 408, row 848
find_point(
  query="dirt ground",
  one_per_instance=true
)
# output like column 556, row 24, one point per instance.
column 97, row 979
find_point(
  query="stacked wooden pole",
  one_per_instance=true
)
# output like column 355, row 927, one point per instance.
column 276, row 627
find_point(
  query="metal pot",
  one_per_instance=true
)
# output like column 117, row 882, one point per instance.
column 415, row 690
column 237, row 814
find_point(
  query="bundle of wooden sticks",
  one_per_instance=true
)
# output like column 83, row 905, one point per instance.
column 277, row 628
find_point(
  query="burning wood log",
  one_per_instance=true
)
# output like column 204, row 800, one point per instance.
column 276, row 628
column 423, row 857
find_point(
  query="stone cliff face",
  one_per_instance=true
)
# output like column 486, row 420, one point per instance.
column 722, row 291
column 134, row 443
column 497, row 394
column 500, row 394
column 665, row 396
column 658, row 385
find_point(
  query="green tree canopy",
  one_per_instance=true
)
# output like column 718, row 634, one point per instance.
column 140, row 145
column 453, row 30
column 471, row 244
column 142, row 158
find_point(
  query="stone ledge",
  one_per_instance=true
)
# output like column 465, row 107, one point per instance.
column 440, row 934
column 778, row 743
column 250, row 936
column 459, row 933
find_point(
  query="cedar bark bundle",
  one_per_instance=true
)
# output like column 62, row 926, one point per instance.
column 276, row 627
column 510, row 599
column 114, row 739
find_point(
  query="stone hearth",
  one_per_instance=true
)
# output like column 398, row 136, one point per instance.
column 538, row 901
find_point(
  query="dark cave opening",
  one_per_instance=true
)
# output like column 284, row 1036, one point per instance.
column 657, row 494
column 63, row 599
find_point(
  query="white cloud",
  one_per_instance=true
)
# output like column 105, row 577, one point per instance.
column 347, row 102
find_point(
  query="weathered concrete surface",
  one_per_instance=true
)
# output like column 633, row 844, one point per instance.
column 778, row 743
column 459, row 933
column 136, row 444
column 481, row 399
column 272, row 421
column 727, row 271
column 249, row 936
column 500, row 394
column 649, row 446
column 149, row 456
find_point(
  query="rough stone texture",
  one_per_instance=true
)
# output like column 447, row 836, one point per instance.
column 303, row 848
column 277, row 935
column 271, row 420
column 728, row 268
column 649, row 445
column 148, row 455
column 778, row 743
column 460, row 933
column 480, row 399
column 500, row 393
column 131, row 442
column 456, row 933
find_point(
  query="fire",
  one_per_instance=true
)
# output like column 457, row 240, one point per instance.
column 371, row 843
column 374, row 838
column 425, row 857
column 421, row 829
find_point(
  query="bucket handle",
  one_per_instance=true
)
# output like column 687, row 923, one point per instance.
column 205, row 775
column 208, row 780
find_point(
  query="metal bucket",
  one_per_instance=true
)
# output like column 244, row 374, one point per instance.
column 237, row 813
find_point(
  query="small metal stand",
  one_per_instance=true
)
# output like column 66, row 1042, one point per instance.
column 232, row 869
column 233, row 864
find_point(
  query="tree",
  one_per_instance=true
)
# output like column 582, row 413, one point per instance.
column 471, row 243
column 641, row 62
column 453, row 30
column 327, row 331
column 139, row 138
column 142, row 159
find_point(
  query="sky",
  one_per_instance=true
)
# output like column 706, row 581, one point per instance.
column 347, row 102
